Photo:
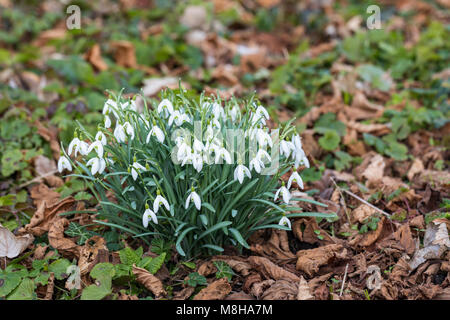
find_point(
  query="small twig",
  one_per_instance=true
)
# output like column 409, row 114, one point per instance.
column 343, row 281
column 366, row 203
column 38, row 178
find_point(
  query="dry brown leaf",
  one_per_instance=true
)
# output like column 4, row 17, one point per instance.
column 184, row 293
column 369, row 238
column 39, row 252
column 416, row 167
column 94, row 57
column 10, row 245
column 303, row 290
column 50, row 287
column 362, row 212
column 124, row 53
column 281, row 290
column 436, row 242
column 404, row 236
column 151, row 282
column 152, row 86
column 46, row 212
column 270, row 270
column 276, row 247
column 207, row 268
column 238, row 264
column 309, row 261
column 124, row 296
column 216, row 290
column 239, row 296
column 90, row 254
column 57, row 240
column 375, row 171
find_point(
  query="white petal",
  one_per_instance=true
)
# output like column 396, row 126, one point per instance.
column 134, row 174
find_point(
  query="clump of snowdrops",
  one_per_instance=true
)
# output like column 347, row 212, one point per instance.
column 199, row 173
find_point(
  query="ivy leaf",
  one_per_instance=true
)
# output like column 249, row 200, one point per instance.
column 223, row 270
column 195, row 279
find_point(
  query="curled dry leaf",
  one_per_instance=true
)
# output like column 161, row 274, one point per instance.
column 207, row 268
column 94, row 57
column 404, row 236
column 57, row 240
column 151, row 282
column 369, row 238
column 124, row 53
column 90, row 254
column 362, row 212
column 304, row 290
column 276, row 247
column 184, row 294
column 50, row 287
column 374, row 172
column 10, row 245
column 270, row 270
column 281, row 290
column 258, row 288
column 239, row 296
column 416, row 167
column 238, row 264
column 216, row 290
column 436, row 242
column 309, row 261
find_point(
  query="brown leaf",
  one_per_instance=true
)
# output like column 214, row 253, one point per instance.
column 276, row 247
column 151, row 282
column 50, row 287
column 94, row 57
column 303, row 290
column 404, row 236
column 416, row 167
column 375, row 171
column 57, row 240
column 48, row 209
column 309, row 261
column 270, row 270
column 362, row 213
column 124, row 53
column 259, row 288
column 216, row 290
column 281, row 290
column 184, row 294
column 239, row 296
column 91, row 254
column 10, row 245
column 369, row 238
column 238, row 264
column 207, row 268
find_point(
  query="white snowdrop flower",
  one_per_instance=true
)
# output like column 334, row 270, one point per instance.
column 262, row 114
column 295, row 177
column 165, row 107
column 100, row 136
column 300, row 157
column 197, row 161
column 240, row 172
column 129, row 129
column 78, row 146
column 263, row 138
column 158, row 201
column 256, row 164
column 285, row 194
column 155, row 132
column 263, row 153
column 110, row 106
column 217, row 111
column 107, row 122
column 222, row 154
column 64, row 163
column 234, row 112
column 198, row 146
column 284, row 221
column 148, row 214
column 97, row 146
column 98, row 165
column 184, row 150
column 184, row 118
column 119, row 133
column 135, row 168
column 286, row 147
column 129, row 105
column 194, row 197
column 174, row 117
